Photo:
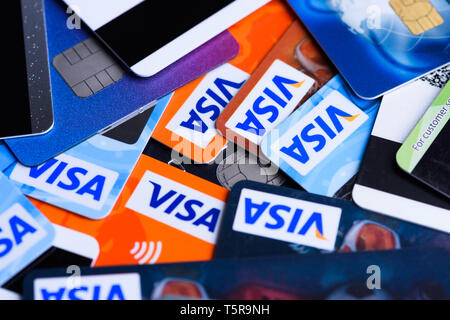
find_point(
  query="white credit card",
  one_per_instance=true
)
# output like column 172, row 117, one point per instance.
column 382, row 186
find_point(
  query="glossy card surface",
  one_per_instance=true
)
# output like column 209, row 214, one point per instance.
column 262, row 220
column 163, row 215
column 24, row 232
column 271, row 94
column 412, row 274
column 426, row 154
column 382, row 186
column 189, row 123
column 390, row 42
column 77, row 119
column 88, row 178
column 321, row 145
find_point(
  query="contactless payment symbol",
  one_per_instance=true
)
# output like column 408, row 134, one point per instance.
column 146, row 252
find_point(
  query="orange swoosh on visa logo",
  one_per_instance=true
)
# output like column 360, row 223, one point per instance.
column 319, row 235
column 351, row 119
column 298, row 85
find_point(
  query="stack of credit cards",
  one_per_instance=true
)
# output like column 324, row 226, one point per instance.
column 264, row 150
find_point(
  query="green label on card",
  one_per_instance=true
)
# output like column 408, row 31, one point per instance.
column 426, row 131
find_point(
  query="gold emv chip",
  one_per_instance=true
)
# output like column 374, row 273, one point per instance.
column 418, row 15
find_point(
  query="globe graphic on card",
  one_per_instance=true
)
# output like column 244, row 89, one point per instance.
column 390, row 28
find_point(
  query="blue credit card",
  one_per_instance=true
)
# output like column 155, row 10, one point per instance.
column 263, row 220
column 409, row 274
column 89, row 178
column 91, row 92
column 6, row 157
column 378, row 45
column 321, row 145
column 25, row 233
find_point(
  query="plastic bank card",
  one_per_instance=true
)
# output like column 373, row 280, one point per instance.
column 7, row 295
column 409, row 275
column 88, row 178
column 426, row 154
column 144, row 236
column 6, row 157
column 263, row 220
column 379, row 45
column 163, row 214
column 68, row 249
column 232, row 165
column 382, row 186
column 290, row 74
column 188, row 124
column 321, row 145
column 24, row 232
column 90, row 90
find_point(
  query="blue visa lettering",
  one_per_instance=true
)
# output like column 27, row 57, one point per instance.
column 19, row 229
column 274, row 219
column 94, row 187
column 94, row 293
column 297, row 150
column 252, row 124
column 177, row 201
column 195, row 121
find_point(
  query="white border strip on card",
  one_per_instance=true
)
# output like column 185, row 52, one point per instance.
column 76, row 242
column 402, row 208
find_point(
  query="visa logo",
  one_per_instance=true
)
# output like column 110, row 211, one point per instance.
column 196, row 118
column 69, row 178
column 178, row 206
column 102, row 287
column 287, row 219
column 19, row 233
column 271, row 101
column 321, row 131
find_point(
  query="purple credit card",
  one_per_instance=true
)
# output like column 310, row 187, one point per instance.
column 91, row 92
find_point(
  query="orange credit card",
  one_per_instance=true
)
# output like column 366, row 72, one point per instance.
column 163, row 215
column 188, row 124
column 290, row 74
